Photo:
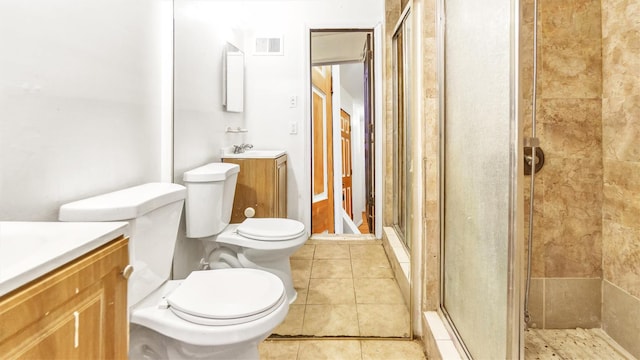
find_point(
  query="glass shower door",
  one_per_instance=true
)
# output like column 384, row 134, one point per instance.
column 481, row 167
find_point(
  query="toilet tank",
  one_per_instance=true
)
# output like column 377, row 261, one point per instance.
column 210, row 192
column 153, row 212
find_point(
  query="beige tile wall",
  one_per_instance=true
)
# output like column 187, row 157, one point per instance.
column 572, row 303
column 567, row 240
column 392, row 14
column 620, row 314
column 565, row 303
column 621, row 158
column 431, row 151
column 567, row 223
column 431, row 181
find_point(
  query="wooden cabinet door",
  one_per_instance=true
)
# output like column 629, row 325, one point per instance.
column 78, row 311
column 262, row 185
column 281, row 187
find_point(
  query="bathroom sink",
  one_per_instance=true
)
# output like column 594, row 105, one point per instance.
column 254, row 154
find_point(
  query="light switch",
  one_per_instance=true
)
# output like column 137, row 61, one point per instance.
column 293, row 127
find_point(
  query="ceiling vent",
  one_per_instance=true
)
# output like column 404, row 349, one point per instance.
column 268, row 46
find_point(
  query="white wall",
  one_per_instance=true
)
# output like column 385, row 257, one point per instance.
column 201, row 34
column 201, row 28
column 199, row 117
column 273, row 79
column 80, row 100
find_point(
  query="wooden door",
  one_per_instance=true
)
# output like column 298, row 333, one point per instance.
column 369, row 139
column 347, row 170
column 321, row 152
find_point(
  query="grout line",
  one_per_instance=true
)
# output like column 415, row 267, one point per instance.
column 306, row 300
column 351, row 258
column 620, row 289
column 544, row 303
column 355, row 296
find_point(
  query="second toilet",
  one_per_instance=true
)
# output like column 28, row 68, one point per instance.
column 265, row 243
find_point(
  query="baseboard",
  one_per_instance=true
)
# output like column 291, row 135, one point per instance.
column 399, row 260
column 437, row 341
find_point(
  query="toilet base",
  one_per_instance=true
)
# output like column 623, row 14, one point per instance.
column 281, row 267
column 147, row 344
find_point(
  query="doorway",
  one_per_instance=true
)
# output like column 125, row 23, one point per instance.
column 343, row 160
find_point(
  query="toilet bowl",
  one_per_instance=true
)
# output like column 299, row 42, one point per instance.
column 265, row 244
column 213, row 314
column 259, row 243
column 193, row 319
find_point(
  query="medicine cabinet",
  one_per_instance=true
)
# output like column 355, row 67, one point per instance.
column 233, row 79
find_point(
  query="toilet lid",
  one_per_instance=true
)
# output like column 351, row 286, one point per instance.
column 271, row 229
column 227, row 296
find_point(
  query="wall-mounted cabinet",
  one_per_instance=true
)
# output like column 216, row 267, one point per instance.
column 78, row 311
column 262, row 185
column 233, row 79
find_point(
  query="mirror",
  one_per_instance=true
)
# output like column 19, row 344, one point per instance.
column 233, row 79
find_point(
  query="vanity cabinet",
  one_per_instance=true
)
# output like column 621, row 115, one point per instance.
column 262, row 185
column 78, row 311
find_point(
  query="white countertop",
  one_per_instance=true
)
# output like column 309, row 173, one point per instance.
column 253, row 154
column 31, row 249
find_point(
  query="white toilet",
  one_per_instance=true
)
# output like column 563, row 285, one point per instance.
column 214, row 314
column 264, row 243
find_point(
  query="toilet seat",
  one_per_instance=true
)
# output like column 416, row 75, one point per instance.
column 227, row 296
column 271, row 229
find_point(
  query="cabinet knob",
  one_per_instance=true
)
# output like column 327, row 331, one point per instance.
column 126, row 272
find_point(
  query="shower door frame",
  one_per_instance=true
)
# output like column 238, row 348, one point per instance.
column 515, row 256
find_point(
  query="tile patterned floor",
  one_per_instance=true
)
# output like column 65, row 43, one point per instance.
column 341, row 350
column 572, row 344
column 345, row 288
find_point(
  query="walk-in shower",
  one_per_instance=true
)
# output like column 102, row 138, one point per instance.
column 568, row 313
column 517, row 77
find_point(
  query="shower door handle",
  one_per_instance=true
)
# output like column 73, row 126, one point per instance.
column 539, row 159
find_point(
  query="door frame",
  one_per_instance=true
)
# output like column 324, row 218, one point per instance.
column 376, row 28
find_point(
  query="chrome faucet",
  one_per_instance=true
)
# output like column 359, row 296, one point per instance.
column 239, row 149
